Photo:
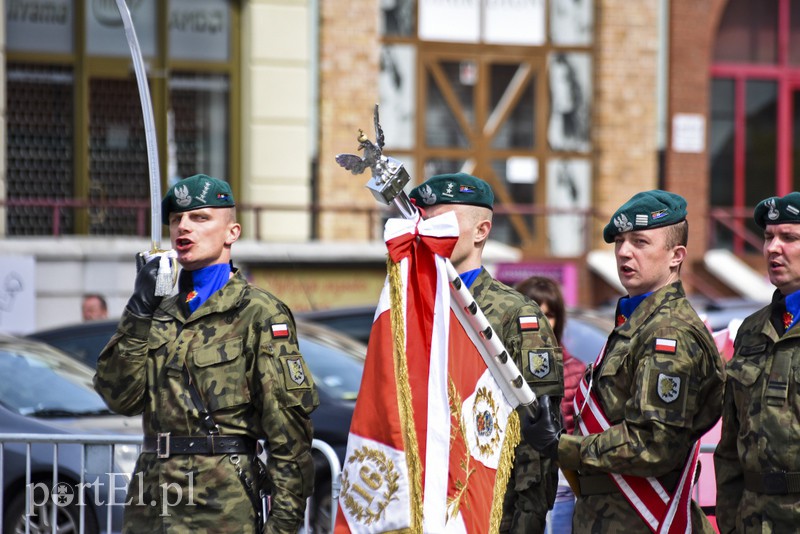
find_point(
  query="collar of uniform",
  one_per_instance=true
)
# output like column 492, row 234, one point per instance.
column 219, row 301
column 481, row 283
column 648, row 307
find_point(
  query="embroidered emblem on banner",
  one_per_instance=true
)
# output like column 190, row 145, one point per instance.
column 529, row 322
column 367, row 496
column 641, row 219
column 484, row 413
column 539, row 363
column 280, row 330
column 666, row 345
column 669, row 387
column 296, row 372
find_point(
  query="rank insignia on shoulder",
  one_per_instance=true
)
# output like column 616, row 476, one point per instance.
column 280, row 330
column 667, row 345
column 528, row 322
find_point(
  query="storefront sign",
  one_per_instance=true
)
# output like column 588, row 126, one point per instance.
column 564, row 273
column 199, row 30
column 39, row 26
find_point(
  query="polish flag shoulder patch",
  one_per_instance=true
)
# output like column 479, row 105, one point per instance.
column 280, row 330
column 667, row 345
column 528, row 322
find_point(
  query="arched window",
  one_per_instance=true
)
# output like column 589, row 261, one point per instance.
column 755, row 109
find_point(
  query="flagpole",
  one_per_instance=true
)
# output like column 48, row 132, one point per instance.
column 389, row 177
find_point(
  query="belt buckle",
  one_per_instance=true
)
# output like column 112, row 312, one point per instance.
column 162, row 444
column 776, row 483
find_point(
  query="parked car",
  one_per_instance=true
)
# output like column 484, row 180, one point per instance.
column 45, row 391
column 585, row 331
column 335, row 360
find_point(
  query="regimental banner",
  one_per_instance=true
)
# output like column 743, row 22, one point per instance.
column 432, row 437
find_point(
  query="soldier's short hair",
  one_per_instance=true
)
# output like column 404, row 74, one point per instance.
column 678, row 234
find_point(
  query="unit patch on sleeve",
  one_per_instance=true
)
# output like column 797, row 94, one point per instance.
column 295, row 373
column 666, row 345
column 669, row 387
column 280, row 330
column 528, row 322
column 539, row 363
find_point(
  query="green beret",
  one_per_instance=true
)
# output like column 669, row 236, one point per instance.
column 778, row 210
column 457, row 188
column 195, row 192
column 646, row 210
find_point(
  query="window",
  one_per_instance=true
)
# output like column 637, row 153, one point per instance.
column 77, row 158
column 754, row 92
column 501, row 90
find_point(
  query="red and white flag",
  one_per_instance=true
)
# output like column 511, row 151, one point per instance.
column 432, row 437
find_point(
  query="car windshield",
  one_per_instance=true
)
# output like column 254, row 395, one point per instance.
column 44, row 383
column 335, row 366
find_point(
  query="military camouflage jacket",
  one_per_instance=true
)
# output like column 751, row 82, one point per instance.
column 240, row 347
column 660, row 397
column 760, row 426
column 534, row 480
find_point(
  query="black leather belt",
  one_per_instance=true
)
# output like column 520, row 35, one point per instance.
column 165, row 445
column 603, row 485
column 775, row 483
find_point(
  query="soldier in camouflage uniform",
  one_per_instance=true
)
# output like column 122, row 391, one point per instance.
column 659, row 341
column 237, row 347
column 757, row 459
column 524, row 330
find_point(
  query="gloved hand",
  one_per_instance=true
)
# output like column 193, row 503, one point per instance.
column 144, row 301
column 542, row 430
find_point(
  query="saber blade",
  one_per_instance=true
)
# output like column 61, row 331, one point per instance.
column 149, row 125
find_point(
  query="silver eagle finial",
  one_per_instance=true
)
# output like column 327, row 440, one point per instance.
column 372, row 158
column 389, row 177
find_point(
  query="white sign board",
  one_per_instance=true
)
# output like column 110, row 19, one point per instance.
column 17, row 294
column 688, row 133
column 445, row 20
column 35, row 26
column 517, row 23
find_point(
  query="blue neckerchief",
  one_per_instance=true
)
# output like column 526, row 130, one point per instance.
column 469, row 277
column 627, row 305
column 793, row 306
column 205, row 282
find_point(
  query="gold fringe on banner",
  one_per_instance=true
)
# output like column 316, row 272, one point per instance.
column 504, row 470
column 404, row 394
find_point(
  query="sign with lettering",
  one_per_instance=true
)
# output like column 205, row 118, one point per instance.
column 105, row 35
column 518, row 22
column 39, row 25
column 199, row 30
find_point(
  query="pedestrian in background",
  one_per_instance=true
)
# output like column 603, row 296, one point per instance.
column 94, row 307
column 757, row 460
column 212, row 369
column 545, row 292
column 651, row 394
column 532, row 485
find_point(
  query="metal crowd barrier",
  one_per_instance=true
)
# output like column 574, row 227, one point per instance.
column 84, row 460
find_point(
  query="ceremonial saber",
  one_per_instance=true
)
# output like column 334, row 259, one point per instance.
column 387, row 182
column 165, row 279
